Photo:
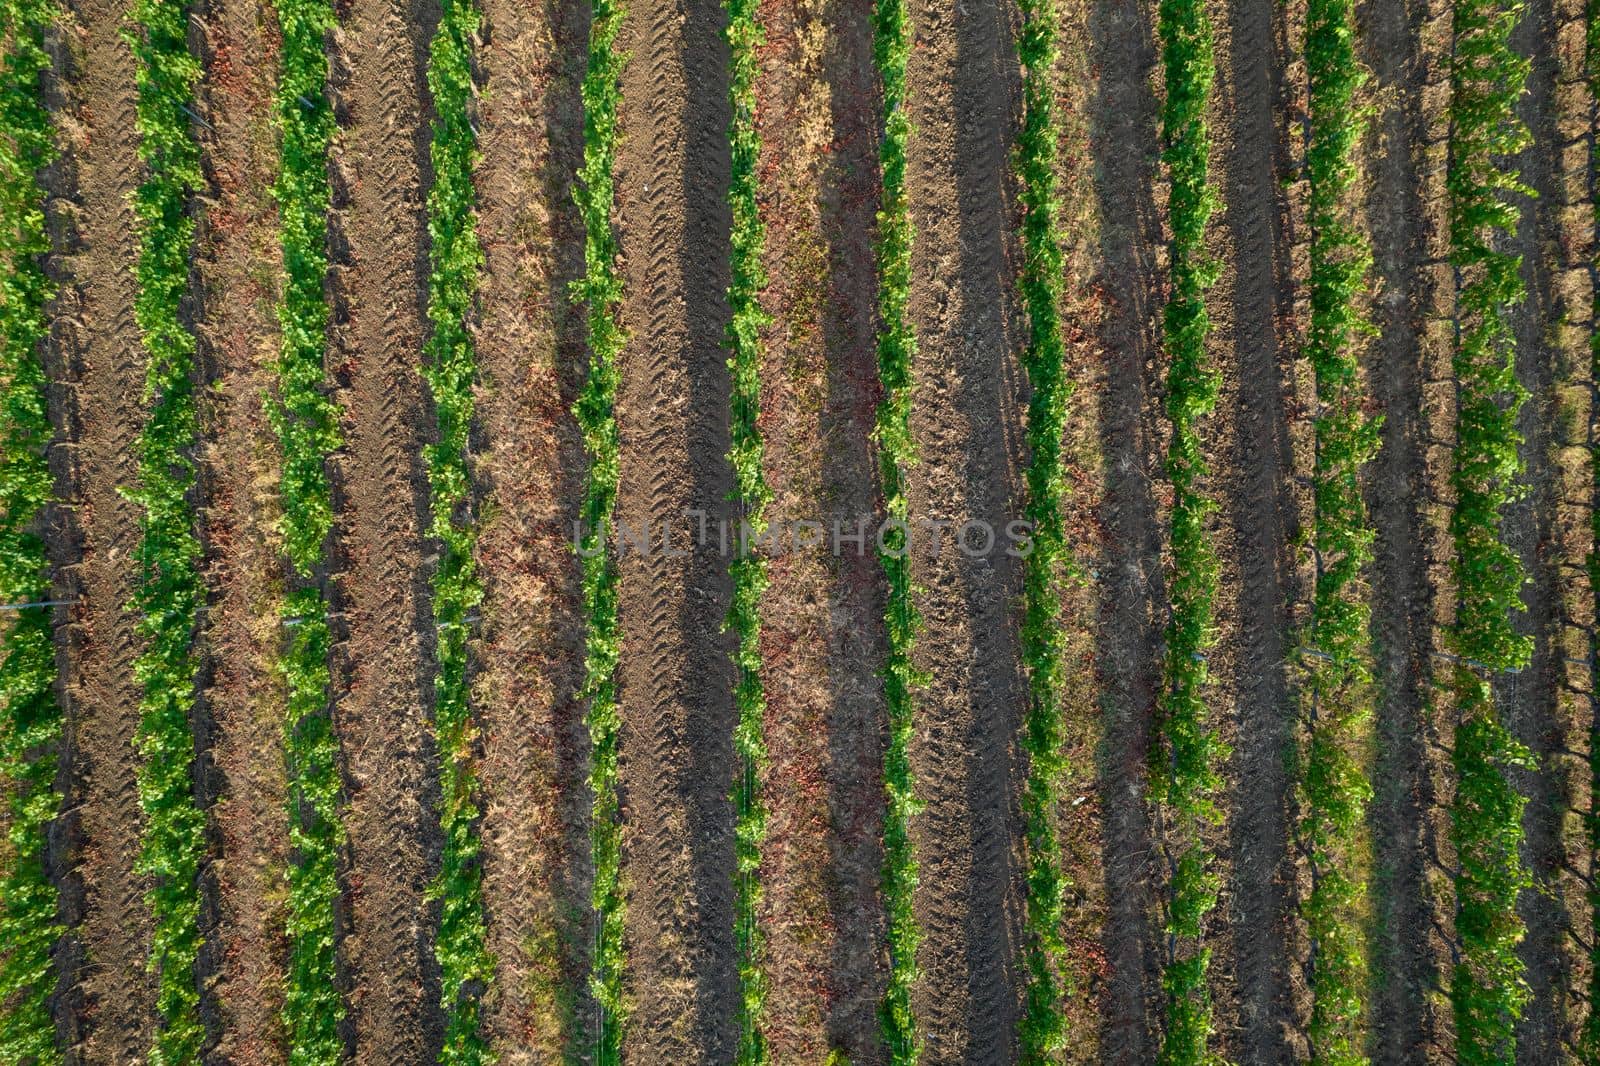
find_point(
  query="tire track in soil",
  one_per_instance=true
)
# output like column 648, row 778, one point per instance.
column 1570, row 255
column 237, row 266
column 378, row 235
column 108, row 1008
column 676, row 678
column 1582, row 253
column 1131, row 582
column 1404, row 164
column 964, row 93
column 857, row 644
column 820, row 867
column 1529, row 700
column 528, row 474
column 1251, row 305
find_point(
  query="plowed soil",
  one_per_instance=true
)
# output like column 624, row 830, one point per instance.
column 676, row 677
column 379, row 237
column 965, row 426
column 238, row 268
column 823, row 641
column 529, row 470
column 97, row 349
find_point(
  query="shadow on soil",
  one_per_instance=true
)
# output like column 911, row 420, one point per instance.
column 1131, row 583
column 1259, row 504
column 1403, row 839
column 856, row 644
column 988, row 100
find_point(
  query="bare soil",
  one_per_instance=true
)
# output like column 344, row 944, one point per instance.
column 528, row 468
column 1253, row 342
column 1552, row 361
column 676, row 679
column 383, row 681
column 1528, row 699
column 1081, row 820
column 1131, row 579
column 856, row 646
column 822, row 643
column 97, row 349
column 963, row 87
column 237, row 267
column 1405, row 224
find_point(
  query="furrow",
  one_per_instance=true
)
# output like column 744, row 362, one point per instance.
column 114, row 994
column 381, row 713
column 964, row 89
column 1130, row 580
column 1253, row 313
column 676, row 680
column 238, row 258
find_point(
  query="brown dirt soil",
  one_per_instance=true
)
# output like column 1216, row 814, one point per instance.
column 962, row 83
column 1404, row 217
column 1551, row 360
column 821, row 641
column 793, row 120
column 1131, row 580
column 676, row 678
column 378, row 236
column 857, row 644
column 1261, row 1005
column 1572, row 435
column 237, row 270
column 97, row 348
column 529, row 468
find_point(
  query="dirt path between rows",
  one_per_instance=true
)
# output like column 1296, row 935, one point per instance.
column 1583, row 617
column 1547, row 356
column 1404, row 164
column 822, row 640
column 676, row 678
column 378, row 237
column 963, row 86
column 1130, row 578
column 237, row 270
column 1081, row 816
column 1261, row 1002
column 529, row 479
column 857, row 644
column 99, row 352
column 1570, row 248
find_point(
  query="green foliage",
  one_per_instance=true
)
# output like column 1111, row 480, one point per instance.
column 1336, row 653
column 1041, row 1029
column 170, row 590
column 30, row 717
column 465, row 966
column 897, row 346
column 1184, row 777
column 1487, row 989
column 305, row 419
column 601, row 289
column 749, row 570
